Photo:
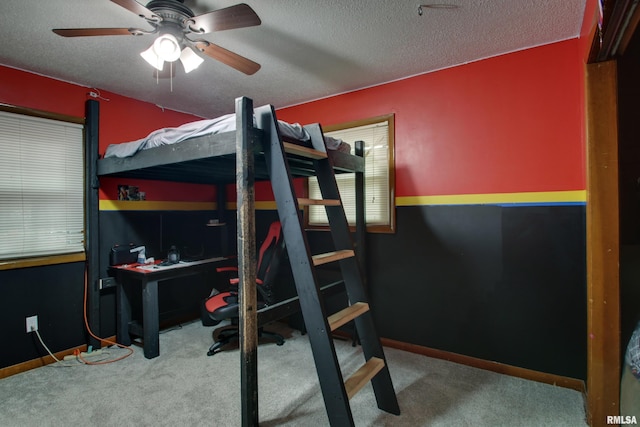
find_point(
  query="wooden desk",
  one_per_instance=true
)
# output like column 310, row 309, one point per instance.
column 148, row 276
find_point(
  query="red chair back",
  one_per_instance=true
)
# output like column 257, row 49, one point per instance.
column 268, row 249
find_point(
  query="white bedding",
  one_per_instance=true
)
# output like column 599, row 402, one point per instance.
column 221, row 124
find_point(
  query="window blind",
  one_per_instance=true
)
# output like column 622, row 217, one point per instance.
column 41, row 186
column 376, row 152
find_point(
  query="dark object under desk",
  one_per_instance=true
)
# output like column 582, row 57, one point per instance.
column 148, row 278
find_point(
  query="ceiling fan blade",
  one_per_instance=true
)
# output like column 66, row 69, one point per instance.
column 87, row 32
column 138, row 9
column 238, row 16
column 225, row 56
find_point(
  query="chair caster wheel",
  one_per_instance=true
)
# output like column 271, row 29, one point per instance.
column 280, row 343
column 210, row 353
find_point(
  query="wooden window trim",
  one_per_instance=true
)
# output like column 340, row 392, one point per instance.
column 373, row 228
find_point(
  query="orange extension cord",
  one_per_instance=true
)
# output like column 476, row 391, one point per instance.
column 77, row 353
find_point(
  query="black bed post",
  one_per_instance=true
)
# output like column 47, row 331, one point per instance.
column 247, row 263
column 361, row 220
column 92, row 243
column 221, row 202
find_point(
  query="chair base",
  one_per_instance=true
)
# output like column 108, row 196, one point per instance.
column 227, row 336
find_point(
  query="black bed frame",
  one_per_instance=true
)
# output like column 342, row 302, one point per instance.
column 225, row 158
column 210, row 159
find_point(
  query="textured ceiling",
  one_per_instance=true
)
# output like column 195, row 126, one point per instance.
column 307, row 49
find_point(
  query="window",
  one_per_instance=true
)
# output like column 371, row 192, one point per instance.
column 377, row 134
column 41, row 186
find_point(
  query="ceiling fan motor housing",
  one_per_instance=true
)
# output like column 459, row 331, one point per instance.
column 175, row 17
column 171, row 11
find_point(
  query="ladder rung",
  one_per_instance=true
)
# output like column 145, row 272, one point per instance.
column 332, row 256
column 325, row 202
column 299, row 150
column 347, row 314
column 363, row 376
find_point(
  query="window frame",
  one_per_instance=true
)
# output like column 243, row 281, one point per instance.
column 389, row 228
column 43, row 260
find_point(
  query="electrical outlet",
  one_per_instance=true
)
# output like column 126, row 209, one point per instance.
column 32, row 323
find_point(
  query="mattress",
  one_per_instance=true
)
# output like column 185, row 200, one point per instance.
column 226, row 123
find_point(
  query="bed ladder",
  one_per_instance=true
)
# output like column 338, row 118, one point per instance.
column 335, row 390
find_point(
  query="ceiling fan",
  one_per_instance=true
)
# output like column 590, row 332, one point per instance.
column 174, row 22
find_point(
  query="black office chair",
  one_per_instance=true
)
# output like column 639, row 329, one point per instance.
column 224, row 305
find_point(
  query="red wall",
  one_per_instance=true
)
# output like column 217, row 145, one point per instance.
column 121, row 119
column 507, row 124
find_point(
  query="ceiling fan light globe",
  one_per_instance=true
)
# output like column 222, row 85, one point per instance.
column 167, row 48
column 190, row 60
column 154, row 60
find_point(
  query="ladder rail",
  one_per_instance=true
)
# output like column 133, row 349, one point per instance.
column 311, row 304
column 335, row 391
column 352, row 275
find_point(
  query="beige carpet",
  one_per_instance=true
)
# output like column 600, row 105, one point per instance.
column 185, row 387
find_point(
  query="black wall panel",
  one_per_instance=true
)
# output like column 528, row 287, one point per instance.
column 158, row 231
column 506, row 284
column 53, row 293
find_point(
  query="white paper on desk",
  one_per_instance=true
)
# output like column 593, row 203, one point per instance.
column 162, row 267
column 148, row 267
column 151, row 267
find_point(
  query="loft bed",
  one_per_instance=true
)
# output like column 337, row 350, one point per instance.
column 208, row 158
column 240, row 155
